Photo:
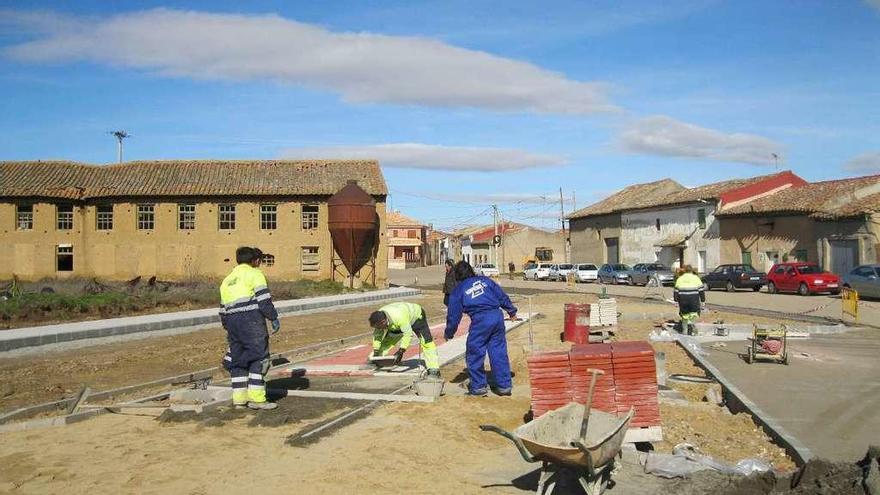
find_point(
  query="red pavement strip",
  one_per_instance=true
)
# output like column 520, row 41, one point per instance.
column 357, row 356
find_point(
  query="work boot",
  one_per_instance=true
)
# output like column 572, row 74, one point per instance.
column 503, row 391
column 435, row 373
column 240, row 406
column 262, row 406
column 478, row 393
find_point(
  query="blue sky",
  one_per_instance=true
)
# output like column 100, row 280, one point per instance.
column 464, row 104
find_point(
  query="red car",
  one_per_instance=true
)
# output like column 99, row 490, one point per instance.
column 803, row 278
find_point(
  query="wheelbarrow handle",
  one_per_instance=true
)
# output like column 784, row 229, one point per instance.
column 510, row 436
column 591, row 470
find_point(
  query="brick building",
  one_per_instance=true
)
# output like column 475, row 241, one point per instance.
column 407, row 241
column 174, row 219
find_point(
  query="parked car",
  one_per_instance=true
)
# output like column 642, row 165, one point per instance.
column 864, row 279
column 614, row 273
column 643, row 273
column 560, row 271
column 536, row 271
column 736, row 276
column 487, row 270
column 586, row 272
column 803, row 278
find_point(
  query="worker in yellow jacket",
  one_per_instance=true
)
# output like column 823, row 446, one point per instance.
column 246, row 304
column 395, row 324
column 690, row 295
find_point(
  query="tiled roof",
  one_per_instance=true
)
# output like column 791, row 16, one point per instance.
column 486, row 234
column 398, row 219
column 631, row 197
column 665, row 193
column 710, row 191
column 827, row 199
column 188, row 178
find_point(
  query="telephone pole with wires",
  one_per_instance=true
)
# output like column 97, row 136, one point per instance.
column 120, row 135
column 562, row 221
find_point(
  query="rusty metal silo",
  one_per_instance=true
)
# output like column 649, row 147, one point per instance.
column 354, row 228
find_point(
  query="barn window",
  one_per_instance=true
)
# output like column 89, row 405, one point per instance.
column 64, row 217
column 226, row 216
column 64, row 258
column 186, row 216
column 268, row 217
column 310, row 259
column 104, row 217
column 309, row 217
column 24, row 217
column 146, row 217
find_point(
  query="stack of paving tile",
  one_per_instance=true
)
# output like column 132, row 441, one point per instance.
column 635, row 381
column 549, row 374
column 603, row 313
column 593, row 356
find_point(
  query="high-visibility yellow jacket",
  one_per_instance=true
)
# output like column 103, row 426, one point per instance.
column 401, row 316
column 244, row 290
column 689, row 292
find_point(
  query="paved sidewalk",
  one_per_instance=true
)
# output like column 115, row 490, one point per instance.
column 68, row 332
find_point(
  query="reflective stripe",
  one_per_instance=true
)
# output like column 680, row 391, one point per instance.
column 252, row 386
column 688, row 292
column 255, row 376
column 260, row 287
column 239, row 304
column 239, row 379
column 263, row 297
column 227, row 358
column 242, row 309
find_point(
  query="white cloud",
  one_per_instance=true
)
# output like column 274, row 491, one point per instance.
column 866, row 162
column 362, row 67
column 434, row 157
column 665, row 136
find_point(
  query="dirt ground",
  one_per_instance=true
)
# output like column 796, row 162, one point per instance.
column 404, row 447
column 32, row 379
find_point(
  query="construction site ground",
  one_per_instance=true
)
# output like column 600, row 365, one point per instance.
column 405, row 447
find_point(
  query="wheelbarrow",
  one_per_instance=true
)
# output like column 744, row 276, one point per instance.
column 572, row 438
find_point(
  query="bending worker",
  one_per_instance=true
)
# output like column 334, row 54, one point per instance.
column 690, row 296
column 396, row 323
column 482, row 299
column 246, row 305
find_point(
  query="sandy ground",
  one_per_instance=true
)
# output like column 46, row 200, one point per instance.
column 408, row 448
column 30, row 380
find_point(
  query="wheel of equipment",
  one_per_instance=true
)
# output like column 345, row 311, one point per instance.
column 803, row 289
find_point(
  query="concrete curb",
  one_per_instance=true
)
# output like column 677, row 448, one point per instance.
column 95, row 329
column 737, row 402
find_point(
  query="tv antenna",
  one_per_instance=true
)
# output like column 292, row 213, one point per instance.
column 120, row 135
column 775, row 160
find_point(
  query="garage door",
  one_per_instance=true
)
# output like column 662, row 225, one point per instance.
column 844, row 256
column 612, row 255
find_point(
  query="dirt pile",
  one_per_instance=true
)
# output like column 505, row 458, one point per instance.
column 817, row 477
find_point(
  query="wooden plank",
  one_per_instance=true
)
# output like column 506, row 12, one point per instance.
column 80, row 398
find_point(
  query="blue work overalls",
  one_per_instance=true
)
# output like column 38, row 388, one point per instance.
column 482, row 299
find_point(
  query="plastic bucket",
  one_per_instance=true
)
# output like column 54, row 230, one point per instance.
column 577, row 323
column 429, row 386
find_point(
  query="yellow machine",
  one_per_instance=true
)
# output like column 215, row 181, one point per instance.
column 768, row 344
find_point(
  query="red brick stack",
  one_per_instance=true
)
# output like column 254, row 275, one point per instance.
column 635, row 381
column 630, row 379
column 549, row 375
column 595, row 356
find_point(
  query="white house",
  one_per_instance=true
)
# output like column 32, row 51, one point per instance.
column 675, row 236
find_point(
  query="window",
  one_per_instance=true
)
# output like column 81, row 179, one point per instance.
column 393, row 233
column 146, row 217
column 24, row 217
column 543, row 254
column 780, row 270
column 701, row 218
column 269, row 259
column 412, row 234
column 657, row 224
column 186, row 216
column 310, row 217
column 104, row 217
column 64, row 258
column 800, row 255
column 268, row 217
column 310, row 259
column 746, row 258
column 64, row 217
column 226, row 216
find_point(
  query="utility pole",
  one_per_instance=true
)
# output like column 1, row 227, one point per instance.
column 562, row 221
column 120, row 135
column 573, row 202
column 501, row 267
column 495, row 225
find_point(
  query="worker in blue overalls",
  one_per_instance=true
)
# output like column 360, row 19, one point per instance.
column 482, row 299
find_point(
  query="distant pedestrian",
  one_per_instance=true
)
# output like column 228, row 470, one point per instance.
column 449, row 283
column 246, row 304
column 690, row 295
column 482, row 299
column 510, row 269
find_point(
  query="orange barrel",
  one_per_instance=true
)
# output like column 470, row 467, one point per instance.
column 577, row 323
